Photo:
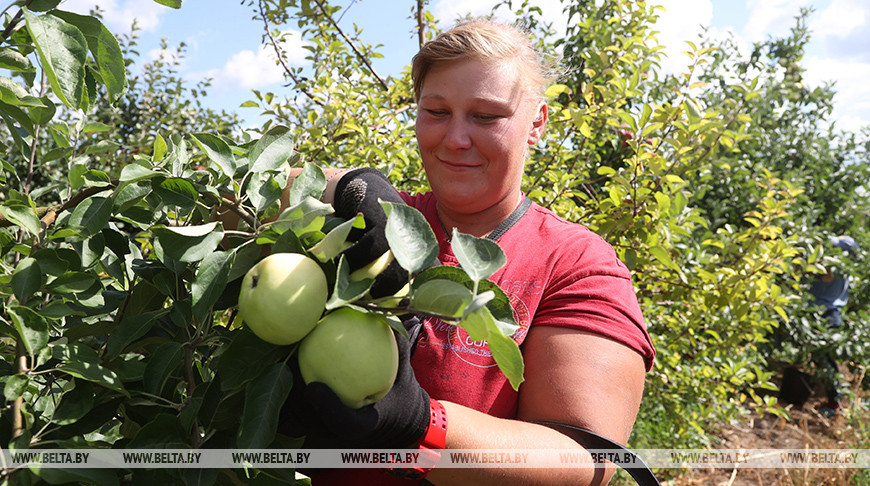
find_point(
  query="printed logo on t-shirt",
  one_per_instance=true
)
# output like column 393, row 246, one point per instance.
column 457, row 341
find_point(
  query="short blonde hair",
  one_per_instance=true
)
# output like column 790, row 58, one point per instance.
column 487, row 41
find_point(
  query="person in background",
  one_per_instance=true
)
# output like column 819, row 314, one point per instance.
column 831, row 291
column 479, row 88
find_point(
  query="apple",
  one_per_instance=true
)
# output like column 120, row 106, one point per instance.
column 352, row 352
column 282, row 297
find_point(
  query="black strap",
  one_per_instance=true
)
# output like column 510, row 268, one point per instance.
column 638, row 470
column 511, row 220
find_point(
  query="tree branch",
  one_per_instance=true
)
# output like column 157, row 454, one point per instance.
column 356, row 51
column 284, row 65
column 421, row 25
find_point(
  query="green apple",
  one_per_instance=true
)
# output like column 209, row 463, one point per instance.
column 282, row 297
column 354, row 353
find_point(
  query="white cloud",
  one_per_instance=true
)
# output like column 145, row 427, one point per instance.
column 771, row 18
column 839, row 19
column 681, row 21
column 248, row 69
column 852, row 101
column 119, row 16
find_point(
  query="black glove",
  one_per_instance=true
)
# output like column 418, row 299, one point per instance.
column 358, row 191
column 396, row 421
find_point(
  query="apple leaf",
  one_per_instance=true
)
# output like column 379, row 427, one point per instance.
column 479, row 257
column 165, row 359
column 273, row 149
column 74, row 404
column 335, row 241
column 346, row 291
column 481, row 325
column 26, row 279
column 309, row 183
column 236, row 366
column 31, row 327
column 211, row 278
column 442, row 297
column 410, row 237
column 188, row 243
column 217, row 150
column 264, row 398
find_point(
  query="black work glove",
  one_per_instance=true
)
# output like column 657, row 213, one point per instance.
column 396, row 421
column 358, row 191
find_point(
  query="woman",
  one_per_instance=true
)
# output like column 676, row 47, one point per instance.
column 480, row 107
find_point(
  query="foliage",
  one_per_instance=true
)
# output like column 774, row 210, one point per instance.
column 715, row 187
column 118, row 305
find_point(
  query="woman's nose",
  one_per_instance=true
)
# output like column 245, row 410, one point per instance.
column 458, row 136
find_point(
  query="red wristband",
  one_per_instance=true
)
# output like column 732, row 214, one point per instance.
column 430, row 445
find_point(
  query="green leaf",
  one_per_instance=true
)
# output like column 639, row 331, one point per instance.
column 32, row 328
column 661, row 254
column 74, row 404
column 129, row 330
column 72, row 283
column 13, row 60
column 263, row 190
column 26, row 279
column 442, row 297
column 176, row 191
column 479, row 257
column 94, row 372
column 62, row 50
column 346, row 291
column 158, row 149
column 176, row 4
column 264, row 398
column 135, row 172
column 309, row 183
column 165, row 360
column 15, row 386
column 410, row 237
column 105, row 50
column 303, row 219
column 91, row 215
column 217, row 150
column 163, row 432
column 481, row 325
column 189, row 243
column 335, row 241
column 210, row 281
column 272, row 150
column 21, row 215
column 235, row 366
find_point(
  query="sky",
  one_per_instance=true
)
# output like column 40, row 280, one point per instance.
column 223, row 42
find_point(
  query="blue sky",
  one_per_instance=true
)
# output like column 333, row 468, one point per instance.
column 223, row 42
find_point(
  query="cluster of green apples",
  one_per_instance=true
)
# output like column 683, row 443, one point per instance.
column 283, row 299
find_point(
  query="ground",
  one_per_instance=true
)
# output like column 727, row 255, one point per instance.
column 806, row 428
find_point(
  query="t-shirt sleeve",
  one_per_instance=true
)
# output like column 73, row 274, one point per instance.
column 593, row 292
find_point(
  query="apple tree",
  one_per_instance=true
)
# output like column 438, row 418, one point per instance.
column 119, row 290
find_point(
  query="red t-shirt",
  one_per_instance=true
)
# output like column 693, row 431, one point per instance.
column 557, row 274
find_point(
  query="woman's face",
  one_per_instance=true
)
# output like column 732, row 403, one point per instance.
column 475, row 122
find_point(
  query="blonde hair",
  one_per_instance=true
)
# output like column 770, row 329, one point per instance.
column 487, row 41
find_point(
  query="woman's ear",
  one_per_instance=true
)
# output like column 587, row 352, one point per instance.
column 539, row 124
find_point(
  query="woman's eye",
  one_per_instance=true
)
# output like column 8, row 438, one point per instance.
column 436, row 112
column 487, row 117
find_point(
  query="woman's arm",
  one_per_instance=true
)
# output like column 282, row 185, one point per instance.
column 572, row 377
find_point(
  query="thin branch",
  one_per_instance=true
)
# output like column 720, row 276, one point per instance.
column 421, row 25
column 356, row 51
column 280, row 57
